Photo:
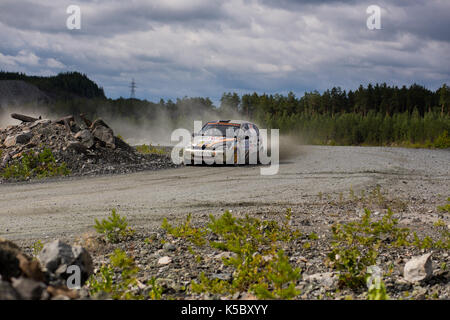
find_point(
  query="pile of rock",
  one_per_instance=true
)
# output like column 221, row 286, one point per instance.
column 45, row 277
column 86, row 148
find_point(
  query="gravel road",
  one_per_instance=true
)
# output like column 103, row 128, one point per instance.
column 68, row 207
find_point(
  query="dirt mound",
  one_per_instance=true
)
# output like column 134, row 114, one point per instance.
column 86, row 148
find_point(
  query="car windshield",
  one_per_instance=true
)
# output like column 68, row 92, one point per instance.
column 218, row 129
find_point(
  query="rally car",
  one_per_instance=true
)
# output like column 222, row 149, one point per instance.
column 225, row 142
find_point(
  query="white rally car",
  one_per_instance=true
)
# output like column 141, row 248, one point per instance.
column 225, row 142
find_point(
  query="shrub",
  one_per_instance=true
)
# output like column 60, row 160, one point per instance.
column 35, row 164
column 117, row 287
column 355, row 246
column 115, row 228
column 443, row 141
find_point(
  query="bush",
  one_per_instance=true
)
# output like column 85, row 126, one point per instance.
column 35, row 164
column 355, row 246
column 115, row 228
column 443, row 141
column 112, row 285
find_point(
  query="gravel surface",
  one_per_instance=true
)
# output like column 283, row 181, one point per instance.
column 322, row 186
column 64, row 207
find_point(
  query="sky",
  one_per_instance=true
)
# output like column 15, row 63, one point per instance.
column 177, row 48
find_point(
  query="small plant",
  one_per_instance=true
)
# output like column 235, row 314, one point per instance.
column 186, row 231
column 260, row 266
column 445, row 207
column 355, row 246
column 377, row 292
column 117, row 287
column 156, row 290
column 313, row 236
column 352, row 193
column 37, row 247
column 115, row 228
column 34, row 164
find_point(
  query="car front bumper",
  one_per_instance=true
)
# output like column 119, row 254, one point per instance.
column 196, row 156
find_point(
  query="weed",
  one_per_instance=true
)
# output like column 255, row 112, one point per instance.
column 156, row 290
column 117, row 287
column 377, row 292
column 186, row 231
column 37, row 247
column 115, row 228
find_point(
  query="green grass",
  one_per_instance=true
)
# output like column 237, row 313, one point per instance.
column 149, row 149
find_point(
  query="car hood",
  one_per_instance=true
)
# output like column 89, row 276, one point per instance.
column 210, row 141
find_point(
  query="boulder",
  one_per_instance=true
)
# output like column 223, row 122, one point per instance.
column 418, row 268
column 9, row 263
column 10, row 141
column 21, row 138
column 85, row 137
column 77, row 146
column 24, row 137
column 103, row 132
column 28, row 289
column 57, row 256
column 7, row 292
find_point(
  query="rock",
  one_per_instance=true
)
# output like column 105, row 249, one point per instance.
column 222, row 276
column 9, row 141
column 169, row 247
column 7, row 292
column 76, row 146
column 9, row 263
column 42, row 122
column 21, row 138
column 103, row 132
column 28, row 289
column 419, row 293
column 164, row 260
column 327, row 279
column 30, row 268
column 62, row 291
column 418, row 268
column 24, row 137
column 247, row 296
column 85, row 137
column 57, row 256
column 5, row 159
column 225, row 255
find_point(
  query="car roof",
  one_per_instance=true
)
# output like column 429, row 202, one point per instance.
column 232, row 121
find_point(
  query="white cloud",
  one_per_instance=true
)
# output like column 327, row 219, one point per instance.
column 204, row 47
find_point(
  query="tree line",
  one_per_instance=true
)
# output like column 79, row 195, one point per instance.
column 370, row 115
